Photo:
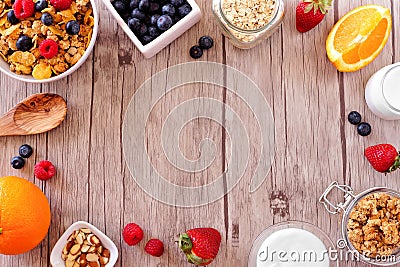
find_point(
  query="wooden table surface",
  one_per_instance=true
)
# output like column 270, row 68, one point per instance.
column 314, row 143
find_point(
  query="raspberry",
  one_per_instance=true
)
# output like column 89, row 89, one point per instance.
column 61, row 4
column 44, row 170
column 132, row 234
column 23, row 8
column 154, row 247
column 48, row 48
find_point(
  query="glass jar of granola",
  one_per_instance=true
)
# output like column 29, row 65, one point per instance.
column 246, row 23
column 370, row 223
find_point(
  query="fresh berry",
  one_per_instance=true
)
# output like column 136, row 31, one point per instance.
column 120, row 7
column 23, row 8
column 206, row 42
column 309, row 13
column 61, row 4
column 142, row 30
column 153, row 19
column 47, row 19
column 153, row 31
column 364, row 129
column 177, row 2
column 154, row 8
column 25, row 151
column 354, row 117
column 168, row 9
column 40, row 5
column 11, row 17
column 154, row 247
column 17, row 162
column 48, row 48
column 164, row 22
column 147, row 39
column 200, row 245
column 44, row 170
column 24, row 43
column 184, row 10
column 196, row 52
column 144, row 5
column 72, row 27
column 383, row 157
column 134, row 24
column 132, row 234
column 134, row 4
column 136, row 13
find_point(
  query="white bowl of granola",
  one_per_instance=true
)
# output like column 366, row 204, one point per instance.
column 25, row 61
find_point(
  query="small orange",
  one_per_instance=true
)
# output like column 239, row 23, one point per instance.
column 358, row 37
column 24, row 215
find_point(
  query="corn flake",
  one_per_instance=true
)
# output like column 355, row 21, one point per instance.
column 42, row 71
column 24, row 58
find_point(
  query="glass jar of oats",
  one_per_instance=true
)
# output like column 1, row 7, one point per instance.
column 370, row 223
column 246, row 23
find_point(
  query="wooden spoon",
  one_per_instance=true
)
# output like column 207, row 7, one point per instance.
column 38, row 113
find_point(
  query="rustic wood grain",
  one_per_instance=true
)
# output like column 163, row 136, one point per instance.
column 314, row 144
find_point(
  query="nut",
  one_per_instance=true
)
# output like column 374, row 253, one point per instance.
column 85, row 248
column 92, row 257
column 75, row 249
column 82, row 260
column 69, row 263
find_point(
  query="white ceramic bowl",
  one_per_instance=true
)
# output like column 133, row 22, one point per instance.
column 5, row 67
column 166, row 37
column 55, row 257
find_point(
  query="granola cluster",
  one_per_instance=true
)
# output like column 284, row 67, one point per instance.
column 71, row 47
column 374, row 224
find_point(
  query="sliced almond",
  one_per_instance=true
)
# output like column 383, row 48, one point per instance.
column 100, row 249
column 105, row 253
column 93, row 264
column 82, row 260
column 85, row 248
column 86, row 230
column 104, row 260
column 69, row 263
column 71, row 237
column 86, row 242
column 67, row 247
column 94, row 240
column 88, row 237
column 73, row 257
column 92, row 249
column 75, row 249
column 91, row 257
column 64, row 257
column 79, row 238
column 76, row 264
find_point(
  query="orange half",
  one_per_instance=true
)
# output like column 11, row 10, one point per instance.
column 358, row 37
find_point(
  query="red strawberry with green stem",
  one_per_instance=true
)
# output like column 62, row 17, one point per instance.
column 383, row 157
column 309, row 13
column 200, row 245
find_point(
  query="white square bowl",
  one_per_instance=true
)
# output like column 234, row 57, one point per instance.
column 166, row 37
column 55, row 257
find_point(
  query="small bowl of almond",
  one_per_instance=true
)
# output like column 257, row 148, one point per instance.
column 82, row 244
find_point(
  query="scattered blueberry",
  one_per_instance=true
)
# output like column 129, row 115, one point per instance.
column 72, row 27
column 354, row 117
column 11, row 17
column 168, row 9
column 154, row 8
column 119, row 6
column 184, row 10
column 142, row 30
column 147, row 39
column 40, row 5
column 136, row 13
column 47, row 19
column 196, row 52
column 364, row 129
column 153, row 19
column 134, row 24
column 24, row 43
column 17, row 162
column 134, row 4
column 164, row 22
column 144, row 5
column 153, row 31
column 206, row 42
column 177, row 2
column 25, row 151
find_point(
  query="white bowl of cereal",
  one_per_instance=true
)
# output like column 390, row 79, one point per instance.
column 81, row 244
column 70, row 33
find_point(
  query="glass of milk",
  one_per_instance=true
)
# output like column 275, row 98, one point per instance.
column 382, row 92
column 292, row 243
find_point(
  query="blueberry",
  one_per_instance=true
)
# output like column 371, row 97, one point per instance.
column 40, row 5
column 164, row 22
column 11, row 17
column 206, row 42
column 144, row 5
column 136, row 13
column 168, row 9
column 120, row 7
column 25, row 151
column 354, row 117
column 72, row 27
column 153, row 31
column 17, row 162
column 147, row 39
column 134, row 24
column 134, row 4
column 153, row 19
column 154, row 8
column 24, row 43
column 142, row 30
column 196, row 52
column 364, row 129
column 177, row 2
column 184, row 10
column 47, row 19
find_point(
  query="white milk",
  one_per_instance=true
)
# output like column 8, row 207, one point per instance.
column 382, row 92
column 292, row 247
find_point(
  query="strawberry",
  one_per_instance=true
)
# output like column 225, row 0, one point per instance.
column 132, row 234
column 383, row 157
column 154, row 247
column 200, row 245
column 309, row 13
